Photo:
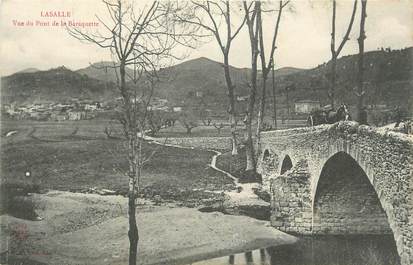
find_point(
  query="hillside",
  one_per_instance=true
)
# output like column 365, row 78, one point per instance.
column 388, row 76
column 181, row 82
column 103, row 71
column 287, row 71
column 54, row 85
column 29, row 70
column 202, row 76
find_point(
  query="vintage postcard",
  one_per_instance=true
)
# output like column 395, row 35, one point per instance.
column 206, row 132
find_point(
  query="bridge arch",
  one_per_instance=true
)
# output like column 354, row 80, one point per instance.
column 383, row 158
column 266, row 155
column 286, row 165
column 345, row 200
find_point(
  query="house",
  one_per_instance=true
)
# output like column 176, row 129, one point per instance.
column 177, row 109
column 91, row 107
column 243, row 98
column 306, row 106
column 76, row 115
column 161, row 108
column 58, row 117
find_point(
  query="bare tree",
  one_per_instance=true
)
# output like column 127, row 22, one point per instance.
column 252, row 13
column 266, row 67
column 214, row 13
column 336, row 52
column 141, row 38
column 205, row 117
column 188, row 120
column 155, row 121
column 274, row 94
column 219, row 126
column 360, row 81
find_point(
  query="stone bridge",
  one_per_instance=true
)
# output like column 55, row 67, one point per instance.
column 340, row 179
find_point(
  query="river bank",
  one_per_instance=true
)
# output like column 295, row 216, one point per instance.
column 92, row 229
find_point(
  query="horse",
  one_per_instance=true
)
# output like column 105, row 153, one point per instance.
column 341, row 114
column 319, row 116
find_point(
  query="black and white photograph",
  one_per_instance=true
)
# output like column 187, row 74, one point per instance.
column 206, row 132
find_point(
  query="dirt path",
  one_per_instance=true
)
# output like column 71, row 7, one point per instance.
column 246, row 196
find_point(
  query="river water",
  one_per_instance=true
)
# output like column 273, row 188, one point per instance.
column 321, row 250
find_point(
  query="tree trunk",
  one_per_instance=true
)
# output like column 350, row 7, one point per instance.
column 331, row 93
column 335, row 53
column 360, row 80
column 250, row 156
column 133, row 233
column 249, row 141
column 274, row 97
column 231, row 109
column 333, row 56
column 261, row 112
column 133, row 228
column 131, row 134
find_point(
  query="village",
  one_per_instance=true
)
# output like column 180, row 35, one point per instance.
column 73, row 110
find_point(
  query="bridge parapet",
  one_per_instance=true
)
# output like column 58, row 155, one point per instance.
column 376, row 164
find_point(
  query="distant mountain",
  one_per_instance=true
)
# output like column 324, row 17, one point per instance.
column 201, row 81
column 287, row 71
column 103, row 71
column 54, row 85
column 388, row 79
column 29, row 70
column 201, row 74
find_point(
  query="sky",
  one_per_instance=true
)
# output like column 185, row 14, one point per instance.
column 303, row 41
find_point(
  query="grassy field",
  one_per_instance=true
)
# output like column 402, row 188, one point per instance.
column 95, row 129
column 77, row 155
column 210, row 131
column 233, row 164
column 62, row 161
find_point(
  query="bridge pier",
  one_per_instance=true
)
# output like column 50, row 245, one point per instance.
column 291, row 201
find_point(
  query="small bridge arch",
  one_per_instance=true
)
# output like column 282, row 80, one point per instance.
column 286, row 165
column 266, row 155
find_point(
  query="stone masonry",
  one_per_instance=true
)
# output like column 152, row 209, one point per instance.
column 345, row 179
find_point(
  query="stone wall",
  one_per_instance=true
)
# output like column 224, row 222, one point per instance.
column 291, row 201
column 215, row 143
column 346, row 202
column 385, row 158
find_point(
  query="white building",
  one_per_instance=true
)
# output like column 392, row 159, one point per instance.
column 306, row 106
column 177, row 109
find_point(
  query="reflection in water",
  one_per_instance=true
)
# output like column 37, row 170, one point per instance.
column 231, row 260
column 322, row 250
column 248, row 258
